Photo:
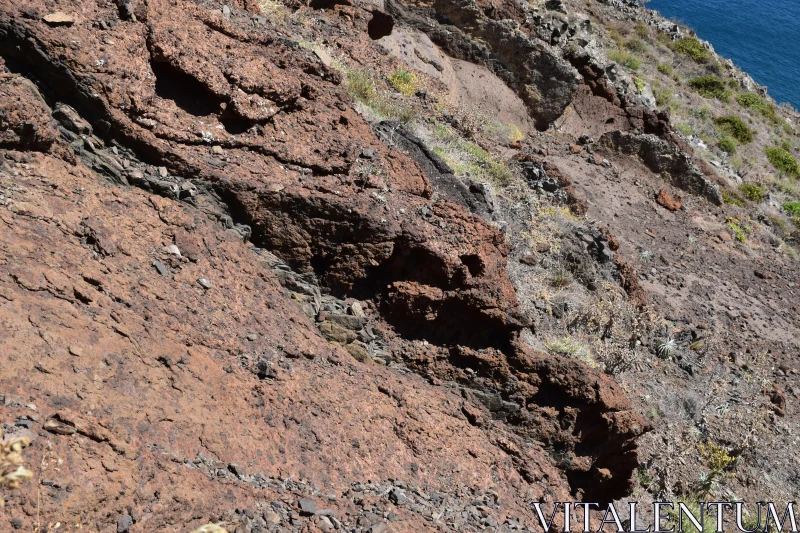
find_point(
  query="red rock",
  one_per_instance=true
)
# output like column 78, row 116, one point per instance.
column 166, row 371
column 665, row 200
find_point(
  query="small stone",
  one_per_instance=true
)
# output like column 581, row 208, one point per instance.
column 398, row 497
column 528, row 259
column 204, row 283
column 272, row 517
column 161, row 268
column 665, row 200
column 308, row 507
column 252, row 337
column 162, row 171
column 357, row 310
column 226, row 11
column 17, row 523
column 58, row 18
column 31, row 406
column 368, row 153
column 217, row 150
column 325, row 523
column 124, row 523
column 351, row 322
column 174, row 250
column 575, row 149
column 542, row 247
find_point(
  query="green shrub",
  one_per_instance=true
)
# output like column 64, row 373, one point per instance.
column 732, row 198
column 360, row 85
column 500, row 173
column 626, row 59
column 691, row 48
column 735, row 127
column 710, row 87
column 635, row 45
column 792, row 208
column 753, row 101
column 752, row 192
column 703, row 112
column 666, row 68
column 642, row 30
column 664, row 94
column 404, row 81
column 726, row 144
column 614, row 35
column 641, row 85
column 664, row 38
column 684, row 128
column 739, row 231
column 783, row 161
column 749, row 100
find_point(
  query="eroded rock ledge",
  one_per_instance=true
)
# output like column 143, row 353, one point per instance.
column 248, row 127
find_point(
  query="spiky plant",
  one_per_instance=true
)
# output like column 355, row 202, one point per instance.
column 666, row 348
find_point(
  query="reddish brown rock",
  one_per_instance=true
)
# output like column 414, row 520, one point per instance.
column 196, row 373
column 667, row 201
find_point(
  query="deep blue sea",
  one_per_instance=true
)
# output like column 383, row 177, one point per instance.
column 762, row 37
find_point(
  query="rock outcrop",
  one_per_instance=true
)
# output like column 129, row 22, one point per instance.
column 181, row 186
column 663, row 157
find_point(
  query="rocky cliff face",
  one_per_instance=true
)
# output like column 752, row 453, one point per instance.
column 186, row 231
column 233, row 292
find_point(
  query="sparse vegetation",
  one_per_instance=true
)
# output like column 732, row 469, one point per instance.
column 640, row 84
column 703, row 112
column 692, row 48
column 792, row 208
column 12, row 473
column 753, row 101
column 362, row 87
column 571, row 347
column 739, row 230
column 636, row 46
column 404, row 81
column 735, row 127
column 718, row 460
column 664, row 95
column 211, row 528
column 726, row 144
column 710, row 86
column 783, row 161
column 752, row 192
column 275, row 10
column 732, row 198
column 666, row 69
column 684, row 128
column 626, row 59
column 467, row 158
column 560, row 278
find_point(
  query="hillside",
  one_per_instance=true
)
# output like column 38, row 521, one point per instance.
column 386, row 265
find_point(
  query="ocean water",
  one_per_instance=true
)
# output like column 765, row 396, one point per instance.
column 762, row 37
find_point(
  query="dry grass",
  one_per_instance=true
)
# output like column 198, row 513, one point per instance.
column 211, row 528
column 12, row 471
